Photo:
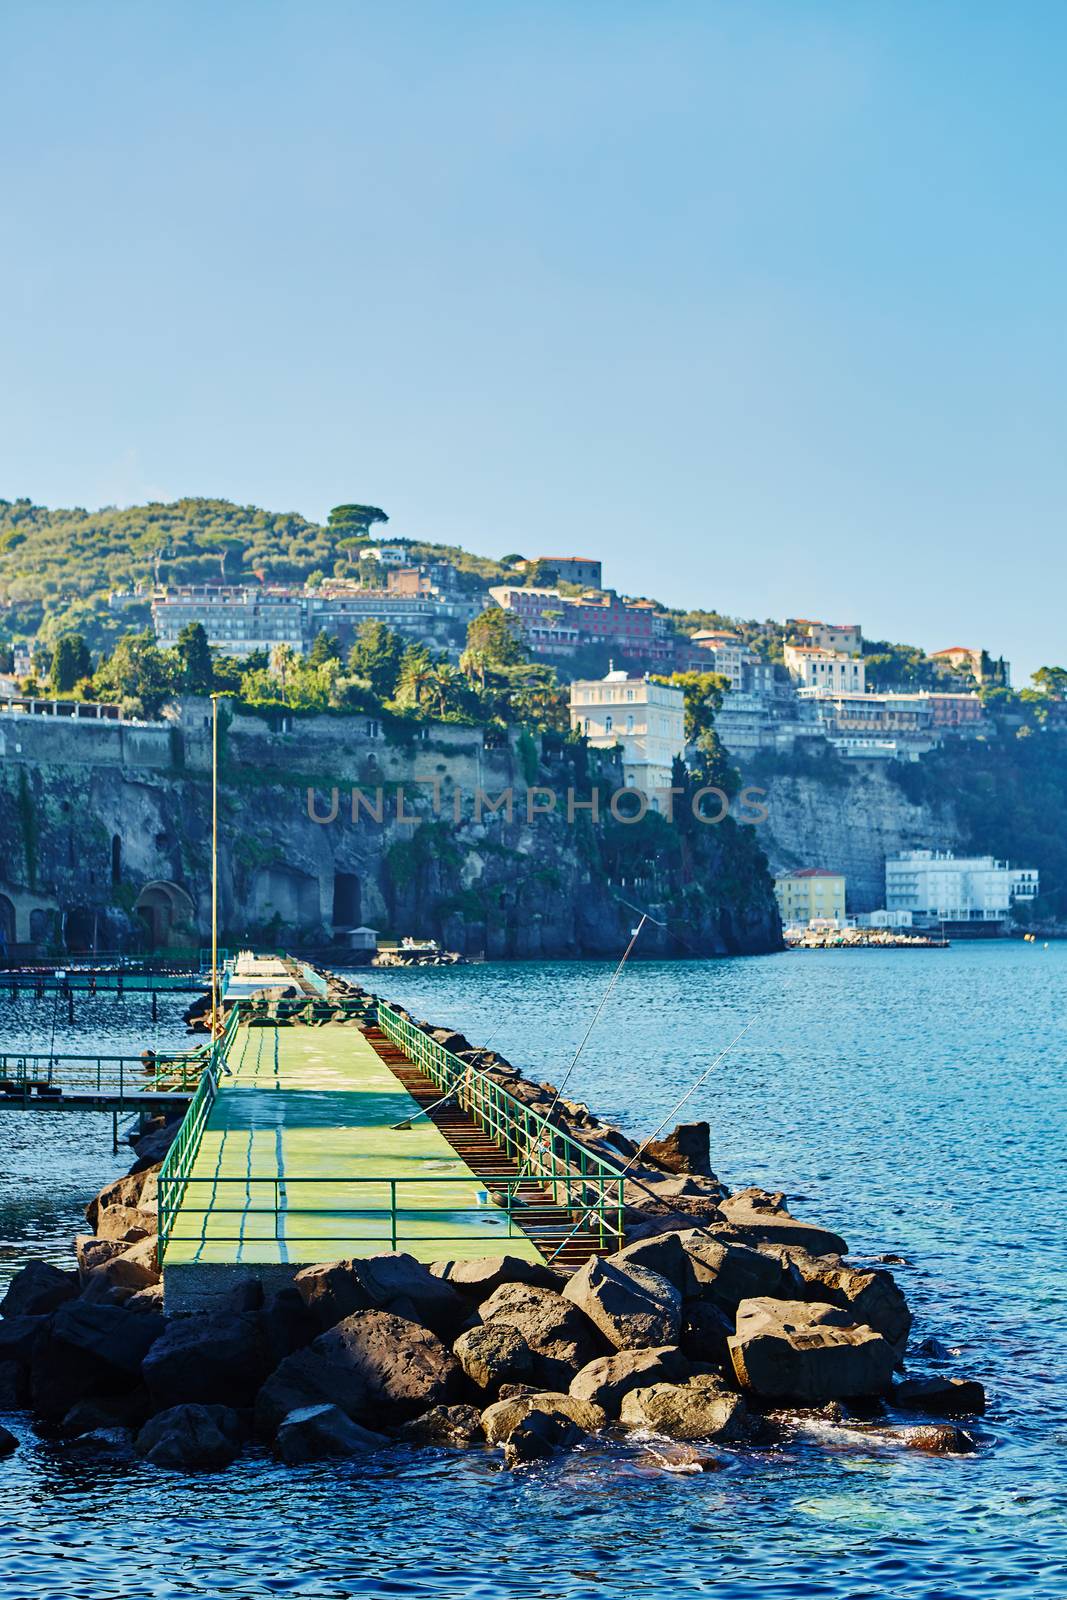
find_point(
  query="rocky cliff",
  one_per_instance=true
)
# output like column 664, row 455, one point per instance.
column 848, row 816
column 105, row 833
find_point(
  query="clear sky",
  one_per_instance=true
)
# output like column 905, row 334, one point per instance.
column 762, row 303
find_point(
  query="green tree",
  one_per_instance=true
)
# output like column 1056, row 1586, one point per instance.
column 418, row 673
column 137, row 673
column 376, row 657
column 197, row 671
column 70, row 663
column 704, row 693
column 326, row 647
column 354, row 521
column 495, row 639
column 1052, row 681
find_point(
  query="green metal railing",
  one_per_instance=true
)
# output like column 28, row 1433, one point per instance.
column 580, row 1181
column 586, row 1190
column 177, row 1165
column 389, row 1207
column 22, row 1072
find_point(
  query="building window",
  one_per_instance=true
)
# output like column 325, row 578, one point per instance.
column 607, row 724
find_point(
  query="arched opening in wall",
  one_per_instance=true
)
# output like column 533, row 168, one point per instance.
column 347, row 900
column 79, row 930
column 7, row 925
column 168, row 914
column 40, row 926
column 116, row 859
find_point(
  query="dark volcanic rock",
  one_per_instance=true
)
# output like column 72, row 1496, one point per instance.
column 607, row 1379
column 457, row 1425
column 394, row 1282
column 872, row 1297
column 726, row 1272
column 220, row 1359
column 190, row 1438
column 634, row 1307
column 941, row 1397
column 700, row 1408
column 8, row 1443
column 494, row 1353
column 539, row 1425
column 37, row 1290
column 560, row 1336
column 762, row 1217
column 687, row 1149
column 378, row 1368
column 317, row 1431
column 806, row 1352
column 89, row 1350
column 478, row 1277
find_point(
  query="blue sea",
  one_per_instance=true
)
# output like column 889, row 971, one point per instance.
column 912, row 1100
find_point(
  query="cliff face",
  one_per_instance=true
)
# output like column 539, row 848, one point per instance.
column 848, row 818
column 107, row 830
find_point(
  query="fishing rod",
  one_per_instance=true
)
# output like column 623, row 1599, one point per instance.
column 723, row 1053
column 424, row 1111
column 616, row 975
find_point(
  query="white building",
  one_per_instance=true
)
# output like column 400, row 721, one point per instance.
column 647, row 719
column 830, row 671
column 387, row 555
column 937, row 886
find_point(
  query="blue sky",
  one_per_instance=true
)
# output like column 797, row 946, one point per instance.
column 764, row 304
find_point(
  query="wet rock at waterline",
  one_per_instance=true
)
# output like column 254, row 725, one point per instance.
column 190, row 1438
column 605, row 1381
column 941, row 1396
column 455, row 1425
column 324, row 1430
column 700, row 1408
column 8, row 1443
column 808, row 1353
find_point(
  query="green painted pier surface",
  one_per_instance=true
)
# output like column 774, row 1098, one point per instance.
column 302, row 1116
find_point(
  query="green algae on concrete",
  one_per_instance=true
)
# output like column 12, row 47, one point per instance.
column 300, row 1162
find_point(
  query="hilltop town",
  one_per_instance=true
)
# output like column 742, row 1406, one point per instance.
column 124, row 616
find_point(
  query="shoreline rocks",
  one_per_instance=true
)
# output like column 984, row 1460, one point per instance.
column 718, row 1311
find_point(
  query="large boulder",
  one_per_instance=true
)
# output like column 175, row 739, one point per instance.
column 478, row 1277
column 660, row 1252
column 106, row 1413
column 457, row 1425
column 38, row 1289
column 940, row 1397
column 809, row 1353
column 606, row 1380
column 634, row 1307
column 560, row 1336
column 869, row 1296
column 317, row 1431
column 129, row 1203
column 190, row 1438
column 89, row 1350
column 706, row 1331
column 14, row 1386
column 727, row 1272
column 219, row 1359
column 700, row 1408
column 378, row 1368
column 537, row 1425
column 687, row 1149
column 762, row 1217
column 18, row 1337
column 494, row 1353
column 394, row 1282
column 287, row 1325
column 130, row 1266
column 8, row 1443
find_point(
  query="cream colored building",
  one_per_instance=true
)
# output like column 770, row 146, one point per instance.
column 828, row 670
column 811, row 895
column 647, row 719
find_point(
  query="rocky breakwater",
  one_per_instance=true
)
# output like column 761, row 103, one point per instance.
column 722, row 1324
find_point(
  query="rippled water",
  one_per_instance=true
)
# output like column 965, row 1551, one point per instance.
column 912, row 1100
